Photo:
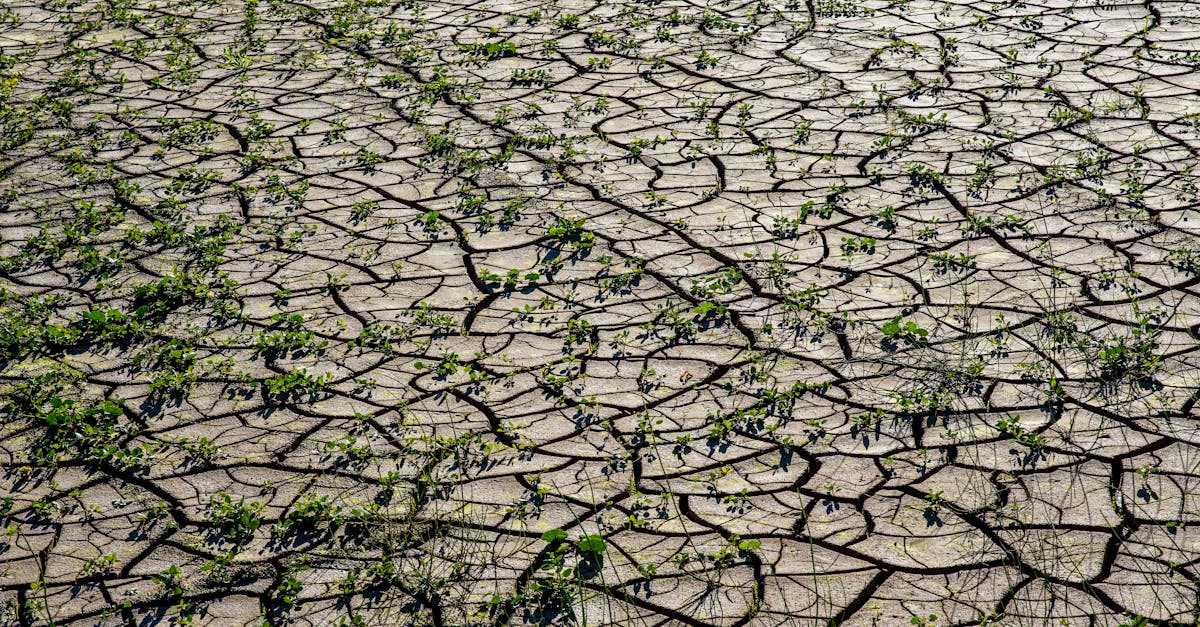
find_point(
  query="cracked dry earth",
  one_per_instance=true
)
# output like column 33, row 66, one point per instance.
column 372, row 312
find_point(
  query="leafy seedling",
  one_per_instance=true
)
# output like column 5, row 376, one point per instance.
column 908, row 332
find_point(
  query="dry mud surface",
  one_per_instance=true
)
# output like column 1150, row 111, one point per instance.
column 377, row 312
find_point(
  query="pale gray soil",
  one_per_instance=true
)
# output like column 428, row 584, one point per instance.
column 381, row 312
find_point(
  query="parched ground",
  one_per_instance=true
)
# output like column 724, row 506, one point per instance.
column 457, row 312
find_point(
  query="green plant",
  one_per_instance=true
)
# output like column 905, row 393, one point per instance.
column 570, row 231
column 171, row 580
column 1012, row 428
column 289, row 336
column 852, row 245
column 908, row 332
column 308, row 512
column 288, row 590
column 237, row 518
column 293, row 384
